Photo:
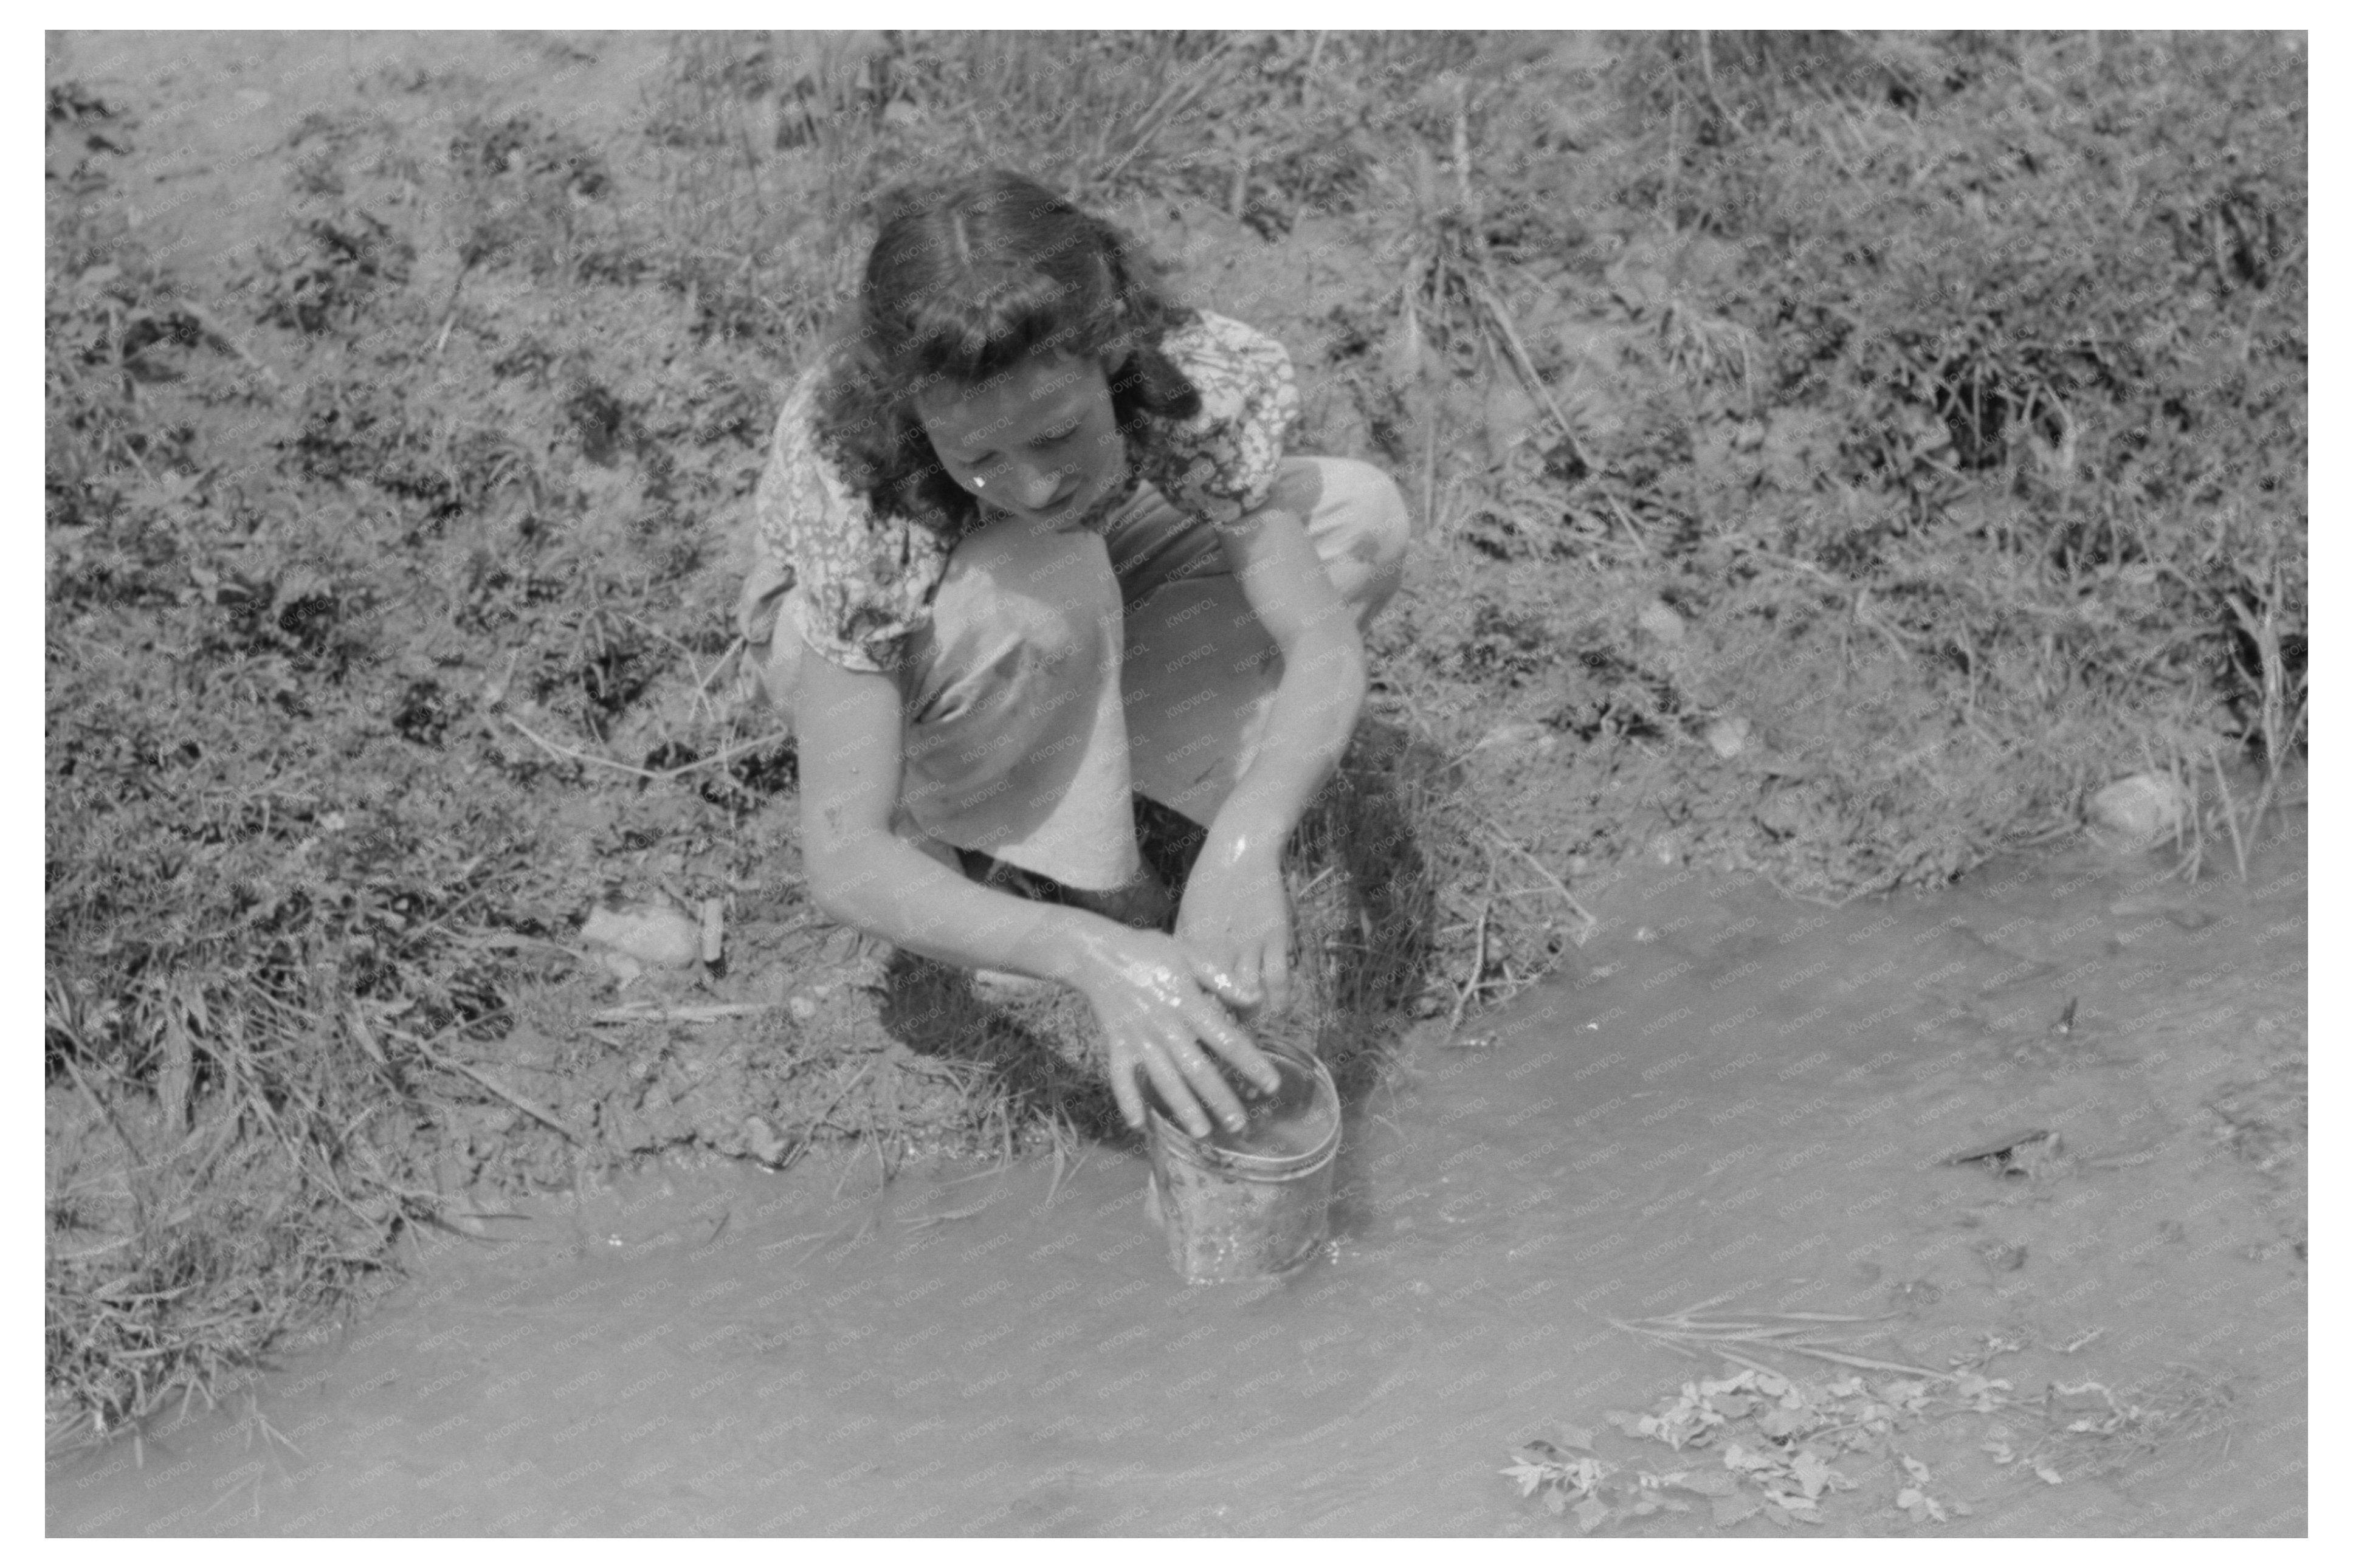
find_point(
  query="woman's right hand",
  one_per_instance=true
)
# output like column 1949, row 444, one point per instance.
column 1162, row 1025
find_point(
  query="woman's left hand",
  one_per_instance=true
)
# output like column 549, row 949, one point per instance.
column 1235, row 922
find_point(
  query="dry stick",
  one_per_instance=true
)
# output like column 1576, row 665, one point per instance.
column 1640, row 549
column 705, row 1013
column 1547, row 873
column 836, row 1100
column 735, row 648
column 450, row 1064
column 2229, row 812
column 1819, row 1352
column 663, row 775
column 450, row 320
column 1478, row 957
column 1430, row 469
column 1489, row 296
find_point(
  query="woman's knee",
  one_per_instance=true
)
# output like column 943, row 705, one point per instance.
column 1018, row 634
column 1370, row 530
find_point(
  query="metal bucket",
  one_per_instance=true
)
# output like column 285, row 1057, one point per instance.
column 1246, row 1204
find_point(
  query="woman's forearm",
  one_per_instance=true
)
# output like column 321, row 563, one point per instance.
column 882, row 885
column 1308, row 727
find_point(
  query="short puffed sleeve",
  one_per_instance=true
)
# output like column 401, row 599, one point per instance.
column 866, row 581
column 1220, row 464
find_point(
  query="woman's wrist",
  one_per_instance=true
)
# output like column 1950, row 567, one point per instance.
column 1071, row 947
column 1246, row 839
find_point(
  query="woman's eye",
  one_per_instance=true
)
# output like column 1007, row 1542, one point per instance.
column 1050, row 437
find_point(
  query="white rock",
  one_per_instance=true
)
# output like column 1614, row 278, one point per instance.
column 1728, row 737
column 2142, row 807
column 802, row 1009
column 1659, row 618
column 652, row 934
column 760, row 1136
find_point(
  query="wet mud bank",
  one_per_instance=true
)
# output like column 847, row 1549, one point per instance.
column 2044, row 1128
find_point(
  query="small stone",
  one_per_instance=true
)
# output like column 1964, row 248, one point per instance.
column 1665, row 850
column 655, row 935
column 1659, row 618
column 1728, row 737
column 801, row 1009
column 2141, row 808
column 766, row 1144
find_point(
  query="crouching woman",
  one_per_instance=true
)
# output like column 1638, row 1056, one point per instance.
column 1029, row 542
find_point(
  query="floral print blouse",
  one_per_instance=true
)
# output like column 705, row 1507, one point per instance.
column 867, row 579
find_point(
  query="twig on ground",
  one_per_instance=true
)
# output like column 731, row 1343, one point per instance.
column 1478, row 958
column 801, row 1145
column 1584, row 933
column 700, row 1013
column 1769, row 1329
column 2229, row 812
column 1625, row 522
column 655, row 775
column 451, row 1064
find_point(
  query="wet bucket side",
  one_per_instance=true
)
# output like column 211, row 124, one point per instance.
column 1236, row 1214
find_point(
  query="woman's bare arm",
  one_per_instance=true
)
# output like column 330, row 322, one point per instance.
column 1155, row 1016
column 1234, row 912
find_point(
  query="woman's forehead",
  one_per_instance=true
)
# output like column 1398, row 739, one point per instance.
column 1039, row 385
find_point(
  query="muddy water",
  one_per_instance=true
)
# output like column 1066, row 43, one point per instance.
column 1736, row 1094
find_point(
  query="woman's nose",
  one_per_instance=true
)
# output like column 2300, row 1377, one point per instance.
column 1036, row 487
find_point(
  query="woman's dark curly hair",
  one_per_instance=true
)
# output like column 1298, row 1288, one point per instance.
column 966, row 278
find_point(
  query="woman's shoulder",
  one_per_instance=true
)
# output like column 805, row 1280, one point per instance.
column 1221, row 463
column 1240, row 372
column 1213, row 341
column 806, row 489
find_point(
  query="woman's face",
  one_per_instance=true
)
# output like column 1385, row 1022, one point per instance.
column 1039, row 442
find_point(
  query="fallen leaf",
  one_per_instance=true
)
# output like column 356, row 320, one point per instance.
column 1915, row 1468
column 2044, row 1469
column 1530, row 1477
column 1813, row 1473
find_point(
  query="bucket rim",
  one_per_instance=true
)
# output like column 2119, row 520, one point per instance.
column 1166, row 1129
